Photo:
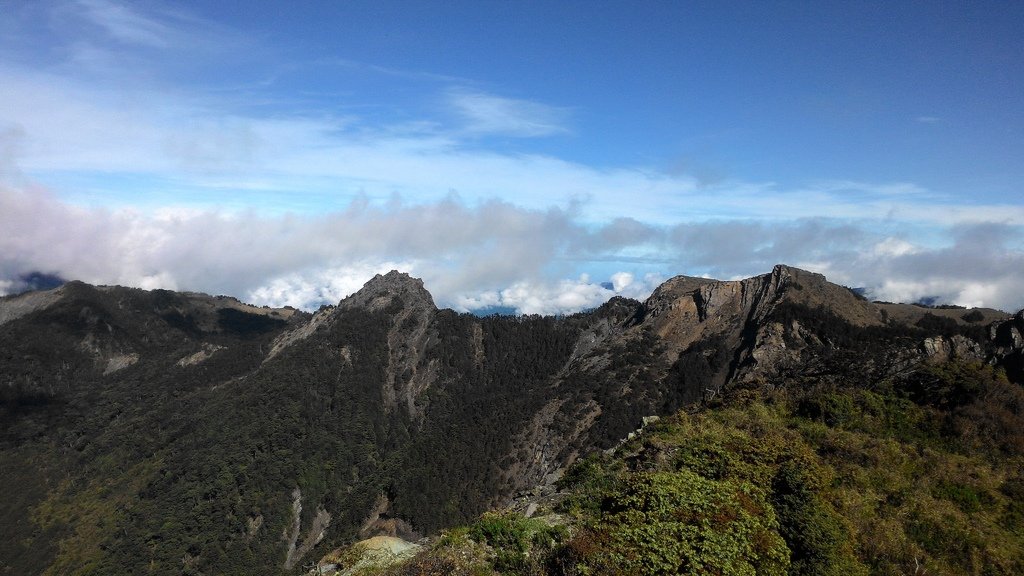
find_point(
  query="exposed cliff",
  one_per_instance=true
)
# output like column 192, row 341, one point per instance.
column 410, row 310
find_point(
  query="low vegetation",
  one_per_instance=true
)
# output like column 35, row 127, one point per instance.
column 920, row 476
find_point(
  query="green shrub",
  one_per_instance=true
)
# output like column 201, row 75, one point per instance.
column 521, row 545
column 833, row 408
column 681, row 523
column 502, row 531
column 814, row 532
column 1013, row 516
column 589, row 479
column 964, row 496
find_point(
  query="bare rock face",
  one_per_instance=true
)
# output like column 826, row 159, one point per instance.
column 314, row 533
column 777, row 344
column 939, row 349
column 300, row 332
column 207, row 351
column 392, row 289
column 1008, row 345
column 14, row 307
column 411, row 309
column 685, row 311
column 1009, row 335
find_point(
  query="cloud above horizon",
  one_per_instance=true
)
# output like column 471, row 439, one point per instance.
column 483, row 255
column 96, row 148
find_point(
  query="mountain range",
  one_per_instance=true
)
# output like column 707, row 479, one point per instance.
column 159, row 432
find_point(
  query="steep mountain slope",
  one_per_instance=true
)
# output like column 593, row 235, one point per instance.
column 155, row 432
column 920, row 476
column 694, row 336
column 92, row 380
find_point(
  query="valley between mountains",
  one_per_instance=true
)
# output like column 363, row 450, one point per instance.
column 803, row 430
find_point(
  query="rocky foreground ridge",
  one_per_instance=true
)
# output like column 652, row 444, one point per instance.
column 163, row 432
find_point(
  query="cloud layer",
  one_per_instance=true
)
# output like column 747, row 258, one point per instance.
column 481, row 255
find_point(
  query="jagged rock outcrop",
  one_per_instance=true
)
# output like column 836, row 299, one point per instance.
column 1008, row 336
column 939, row 349
column 737, row 316
column 392, row 290
column 685, row 308
column 410, row 308
column 1008, row 345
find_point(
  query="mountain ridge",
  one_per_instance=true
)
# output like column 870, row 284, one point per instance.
column 213, row 418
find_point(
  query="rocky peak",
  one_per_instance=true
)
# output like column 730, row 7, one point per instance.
column 813, row 290
column 384, row 291
column 781, row 273
column 672, row 290
column 705, row 296
column 684, row 302
column 411, row 309
column 737, row 315
column 396, row 293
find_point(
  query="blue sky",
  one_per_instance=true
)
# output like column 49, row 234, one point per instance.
column 513, row 153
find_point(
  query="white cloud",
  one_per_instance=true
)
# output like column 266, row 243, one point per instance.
column 892, row 247
column 987, row 293
column 125, row 24
column 977, row 294
column 473, row 256
column 621, row 280
column 547, row 298
column 207, row 152
column 489, row 114
column 455, row 247
column 308, row 289
column 490, row 252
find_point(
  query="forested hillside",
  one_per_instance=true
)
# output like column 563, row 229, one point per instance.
column 169, row 433
column 919, row 475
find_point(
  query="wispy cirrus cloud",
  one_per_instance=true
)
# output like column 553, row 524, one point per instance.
column 146, row 139
column 125, row 24
column 403, row 73
column 75, row 137
column 216, row 154
column 488, row 114
column 122, row 46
